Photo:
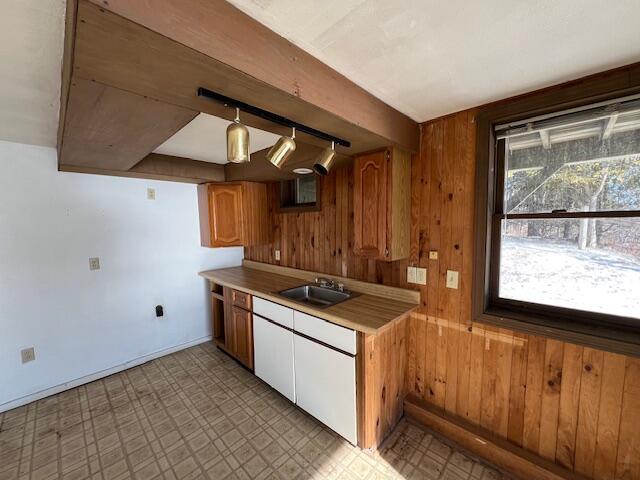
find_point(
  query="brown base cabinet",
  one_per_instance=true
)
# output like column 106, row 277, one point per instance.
column 232, row 323
column 243, row 336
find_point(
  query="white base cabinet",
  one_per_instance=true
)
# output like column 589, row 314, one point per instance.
column 319, row 376
column 273, row 356
column 325, row 385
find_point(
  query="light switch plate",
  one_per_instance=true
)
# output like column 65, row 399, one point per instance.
column 94, row 263
column 433, row 255
column 452, row 279
column 151, row 193
column 421, row 276
column 411, row 274
column 28, row 355
column 276, row 255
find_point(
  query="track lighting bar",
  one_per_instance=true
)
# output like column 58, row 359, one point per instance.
column 272, row 117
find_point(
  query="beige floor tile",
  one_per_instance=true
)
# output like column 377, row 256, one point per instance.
column 196, row 414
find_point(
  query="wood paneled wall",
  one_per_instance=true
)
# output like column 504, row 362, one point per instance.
column 323, row 241
column 574, row 405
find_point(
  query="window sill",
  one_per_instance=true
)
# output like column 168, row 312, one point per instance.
column 603, row 338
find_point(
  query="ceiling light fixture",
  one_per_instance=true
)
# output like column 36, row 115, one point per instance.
column 302, row 171
column 324, row 161
column 282, row 150
column 271, row 117
column 237, row 141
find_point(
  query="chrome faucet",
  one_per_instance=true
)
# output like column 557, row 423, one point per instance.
column 329, row 283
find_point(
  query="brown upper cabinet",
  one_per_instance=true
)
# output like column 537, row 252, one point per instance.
column 382, row 204
column 233, row 214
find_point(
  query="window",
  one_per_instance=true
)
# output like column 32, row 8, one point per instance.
column 300, row 194
column 563, row 223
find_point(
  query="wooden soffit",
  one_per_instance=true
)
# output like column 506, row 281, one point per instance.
column 132, row 70
column 113, row 129
column 247, row 61
column 160, row 167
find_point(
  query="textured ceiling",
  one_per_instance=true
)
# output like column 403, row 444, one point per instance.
column 205, row 139
column 31, row 33
column 428, row 58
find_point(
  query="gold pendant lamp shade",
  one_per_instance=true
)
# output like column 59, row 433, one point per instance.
column 324, row 161
column 237, row 141
column 282, row 150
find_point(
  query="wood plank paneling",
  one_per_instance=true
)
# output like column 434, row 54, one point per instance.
column 532, row 391
column 569, row 403
column 588, row 409
column 380, row 375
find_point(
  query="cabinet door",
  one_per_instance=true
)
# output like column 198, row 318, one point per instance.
column 226, row 215
column 326, row 386
column 370, row 204
column 273, row 348
column 243, row 336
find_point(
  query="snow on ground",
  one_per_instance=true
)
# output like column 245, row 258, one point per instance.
column 558, row 273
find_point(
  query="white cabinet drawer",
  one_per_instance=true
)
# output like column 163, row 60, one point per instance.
column 273, row 356
column 326, row 386
column 274, row 312
column 339, row 337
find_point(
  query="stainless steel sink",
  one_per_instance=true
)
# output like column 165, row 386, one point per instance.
column 316, row 295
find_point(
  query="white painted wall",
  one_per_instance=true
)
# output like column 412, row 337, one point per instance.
column 84, row 322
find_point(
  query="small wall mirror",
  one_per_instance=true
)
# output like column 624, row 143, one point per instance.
column 300, row 194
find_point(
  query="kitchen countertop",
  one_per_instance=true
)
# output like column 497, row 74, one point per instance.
column 365, row 313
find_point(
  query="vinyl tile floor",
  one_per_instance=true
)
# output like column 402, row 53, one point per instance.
column 196, row 414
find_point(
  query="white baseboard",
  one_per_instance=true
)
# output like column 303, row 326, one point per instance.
column 98, row 375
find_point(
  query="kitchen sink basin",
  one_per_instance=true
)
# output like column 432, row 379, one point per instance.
column 316, row 295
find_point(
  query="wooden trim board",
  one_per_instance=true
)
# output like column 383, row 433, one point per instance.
column 399, row 294
column 160, row 167
column 67, row 66
column 496, row 450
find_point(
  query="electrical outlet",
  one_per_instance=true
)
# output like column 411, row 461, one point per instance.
column 421, row 276
column 411, row 274
column 452, row 279
column 277, row 255
column 94, row 263
column 433, row 255
column 151, row 193
column 28, row 355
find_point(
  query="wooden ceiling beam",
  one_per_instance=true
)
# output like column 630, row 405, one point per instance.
column 220, row 31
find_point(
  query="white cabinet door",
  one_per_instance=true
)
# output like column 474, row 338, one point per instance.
column 273, row 356
column 326, row 386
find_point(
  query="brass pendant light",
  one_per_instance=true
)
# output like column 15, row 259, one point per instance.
column 324, row 161
column 282, row 150
column 237, row 141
